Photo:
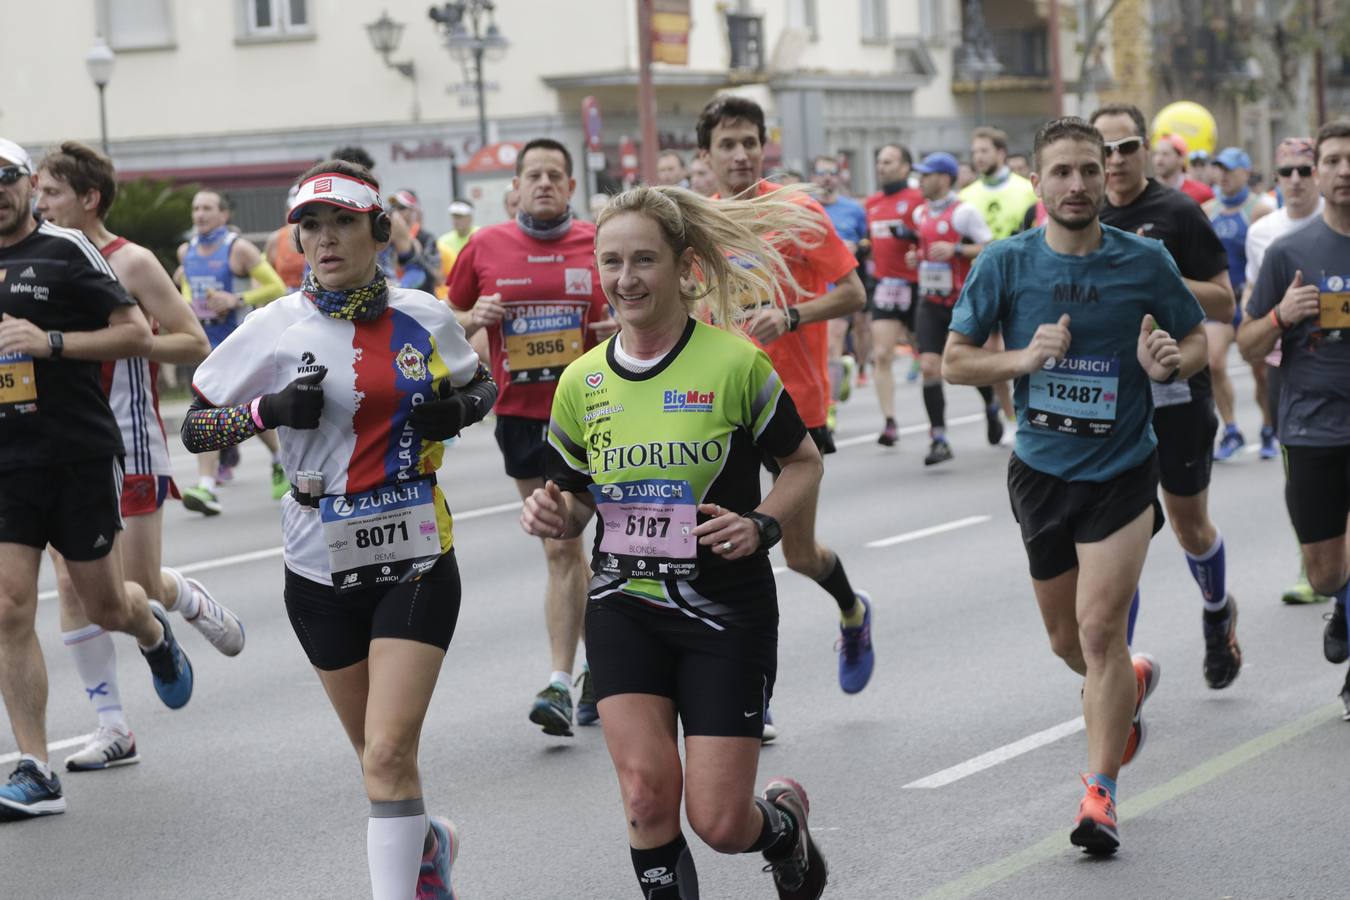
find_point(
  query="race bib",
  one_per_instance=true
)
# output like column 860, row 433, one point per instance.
column 1178, row 393
column 18, row 385
column 935, row 277
column 881, row 229
column 202, row 286
column 893, row 293
column 383, row 536
column 540, row 343
column 1333, row 303
column 1075, row 395
column 648, row 528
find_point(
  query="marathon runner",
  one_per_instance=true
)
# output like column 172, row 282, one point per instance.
column 365, row 380
column 61, row 311
column 1083, row 478
column 1169, row 167
column 1302, row 303
column 76, row 187
column 850, row 223
column 1183, row 417
column 731, row 137
column 662, row 430
column 531, row 284
column 1231, row 213
column 216, row 265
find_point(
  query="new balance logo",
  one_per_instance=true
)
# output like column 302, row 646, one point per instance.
column 101, row 542
column 351, row 578
column 28, row 273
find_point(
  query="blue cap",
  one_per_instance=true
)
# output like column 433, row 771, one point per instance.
column 1233, row 158
column 939, row 162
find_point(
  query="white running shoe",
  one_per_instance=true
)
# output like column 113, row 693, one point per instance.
column 106, row 749
column 216, row 623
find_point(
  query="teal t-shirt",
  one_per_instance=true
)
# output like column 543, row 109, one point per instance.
column 1087, row 417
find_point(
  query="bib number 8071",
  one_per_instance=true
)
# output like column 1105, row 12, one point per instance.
column 381, row 534
column 648, row 526
column 1076, row 393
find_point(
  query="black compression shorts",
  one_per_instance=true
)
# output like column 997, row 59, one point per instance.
column 1317, row 491
column 931, row 323
column 1186, row 445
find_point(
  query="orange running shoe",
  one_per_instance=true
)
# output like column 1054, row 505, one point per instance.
column 1147, row 672
column 1095, row 831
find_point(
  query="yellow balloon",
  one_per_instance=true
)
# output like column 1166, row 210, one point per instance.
column 1191, row 121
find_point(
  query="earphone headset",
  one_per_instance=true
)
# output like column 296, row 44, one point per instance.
column 381, row 228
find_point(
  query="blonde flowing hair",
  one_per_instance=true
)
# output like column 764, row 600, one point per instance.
column 736, row 243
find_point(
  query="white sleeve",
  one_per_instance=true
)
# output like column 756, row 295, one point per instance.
column 1256, row 251
column 243, row 365
column 971, row 224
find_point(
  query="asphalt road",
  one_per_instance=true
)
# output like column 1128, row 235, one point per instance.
column 955, row 774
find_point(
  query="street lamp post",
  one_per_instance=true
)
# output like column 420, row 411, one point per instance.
column 470, row 31
column 99, row 61
column 385, row 34
column 976, row 58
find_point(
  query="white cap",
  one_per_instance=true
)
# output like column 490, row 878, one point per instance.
column 16, row 155
column 335, row 190
column 461, row 208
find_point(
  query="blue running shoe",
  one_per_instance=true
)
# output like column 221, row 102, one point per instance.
column 28, row 793
column 770, row 731
column 587, row 714
column 170, row 668
column 1231, row 442
column 1269, row 449
column 855, row 650
column 433, row 881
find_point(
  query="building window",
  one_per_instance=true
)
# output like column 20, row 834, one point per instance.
column 804, row 14
column 136, row 24
column 874, row 27
column 276, row 18
column 745, row 35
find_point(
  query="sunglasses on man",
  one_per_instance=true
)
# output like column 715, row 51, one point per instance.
column 1287, row 171
column 1125, row 146
column 11, row 174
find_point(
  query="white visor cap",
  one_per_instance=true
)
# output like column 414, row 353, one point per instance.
column 335, row 190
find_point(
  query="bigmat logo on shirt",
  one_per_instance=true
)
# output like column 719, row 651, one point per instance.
column 687, row 401
column 660, row 454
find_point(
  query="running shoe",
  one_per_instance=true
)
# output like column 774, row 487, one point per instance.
column 993, row 425
column 433, row 880
column 587, row 714
column 803, row 873
column 770, row 732
column 890, row 434
column 29, row 793
column 224, row 474
column 1269, row 449
column 1147, row 672
column 1231, row 442
column 170, row 668
column 862, row 376
column 1335, row 647
column 1010, row 434
column 846, row 381
column 1095, row 831
column 1345, row 698
column 552, row 710
column 199, row 499
column 107, row 748
column 280, row 485
column 855, row 650
column 1223, row 656
column 216, row 623
column 1302, row 593
column 913, row 374
column 831, row 418
column 939, row 451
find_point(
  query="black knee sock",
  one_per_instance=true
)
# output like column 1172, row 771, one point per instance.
column 836, row 582
column 666, row 873
column 779, row 834
column 935, row 403
column 987, row 393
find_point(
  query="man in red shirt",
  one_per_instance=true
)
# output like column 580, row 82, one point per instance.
column 1169, row 165
column 531, row 284
column 731, row 141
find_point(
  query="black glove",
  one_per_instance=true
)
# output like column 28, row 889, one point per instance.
column 297, row 405
column 903, row 233
column 440, row 420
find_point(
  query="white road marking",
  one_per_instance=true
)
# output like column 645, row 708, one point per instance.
column 55, row 745
column 871, row 436
column 928, row 532
column 1001, row 755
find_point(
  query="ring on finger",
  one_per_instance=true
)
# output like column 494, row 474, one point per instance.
column 728, row 546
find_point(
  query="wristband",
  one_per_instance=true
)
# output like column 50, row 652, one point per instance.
column 794, row 318
column 257, row 415
column 1275, row 318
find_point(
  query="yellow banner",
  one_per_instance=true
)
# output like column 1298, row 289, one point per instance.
column 670, row 32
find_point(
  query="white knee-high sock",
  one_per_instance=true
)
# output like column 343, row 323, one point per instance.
column 96, row 661
column 394, row 838
column 187, row 604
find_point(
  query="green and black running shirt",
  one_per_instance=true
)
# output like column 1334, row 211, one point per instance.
column 650, row 446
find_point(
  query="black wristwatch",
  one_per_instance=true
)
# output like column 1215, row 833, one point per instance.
column 794, row 316
column 57, row 342
column 770, row 532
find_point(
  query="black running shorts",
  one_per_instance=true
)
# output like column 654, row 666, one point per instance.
column 931, row 324
column 1186, row 445
column 1056, row 515
column 76, row 507
column 336, row 631
column 522, row 442
column 720, row 681
column 1317, row 490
